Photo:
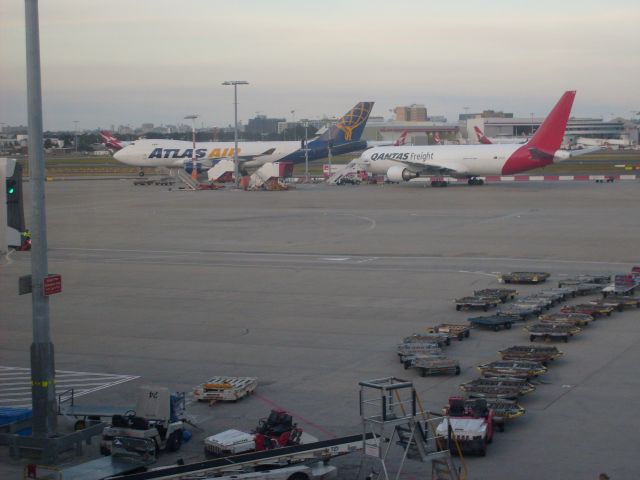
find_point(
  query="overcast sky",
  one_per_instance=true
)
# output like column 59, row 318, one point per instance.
column 134, row 61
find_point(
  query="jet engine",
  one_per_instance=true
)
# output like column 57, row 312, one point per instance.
column 400, row 174
column 188, row 167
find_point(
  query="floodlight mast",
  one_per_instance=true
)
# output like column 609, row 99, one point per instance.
column 194, row 171
column 236, row 165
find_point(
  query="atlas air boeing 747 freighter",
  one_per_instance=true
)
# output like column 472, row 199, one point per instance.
column 344, row 137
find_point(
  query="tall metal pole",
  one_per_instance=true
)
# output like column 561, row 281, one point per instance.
column 43, row 392
column 236, row 166
column 75, row 131
column 306, row 152
column 194, row 170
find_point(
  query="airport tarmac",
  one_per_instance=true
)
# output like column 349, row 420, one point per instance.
column 311, row 289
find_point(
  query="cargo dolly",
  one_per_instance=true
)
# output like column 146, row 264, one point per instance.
column 225, row 389
column 624, row 302
column 440, row 339
column 524, row 277
column 594, row 310
column 407, row 351
column 551, row 331
column 573, row 319
column 476, row 303
column 497, row 388
column 504, row 410
column 512, row 368
column 493, row 322
column 453, row 330
column 433, row 365
column 504, row 294
column 87, row 415
column 578, row 279
column 518, row 312
column 527, row 352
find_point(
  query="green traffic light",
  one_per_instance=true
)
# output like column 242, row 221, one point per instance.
column 11, row 190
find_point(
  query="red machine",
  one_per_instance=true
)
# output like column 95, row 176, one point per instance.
column 277, row 430
column 471, row 422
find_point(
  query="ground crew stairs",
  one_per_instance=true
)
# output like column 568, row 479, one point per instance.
column 393, row 417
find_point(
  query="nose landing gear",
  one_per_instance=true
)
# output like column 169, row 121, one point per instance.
column 475, row 181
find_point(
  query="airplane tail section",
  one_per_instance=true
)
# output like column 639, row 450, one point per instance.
column 402, row 139
column 350, row 127
column 110, row 141
column 548, row 137
column 481, row 136
column 437, row 139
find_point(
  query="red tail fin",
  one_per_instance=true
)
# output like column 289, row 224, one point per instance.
column 548, row 137
column 401, row 139
column 436, row 138
column 481, row 138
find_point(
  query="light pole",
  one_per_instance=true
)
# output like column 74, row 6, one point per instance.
column 531, row 124
column 236, row 166
column 295, row 132
column 306, row 152
column 75, row 130
column 194, row 171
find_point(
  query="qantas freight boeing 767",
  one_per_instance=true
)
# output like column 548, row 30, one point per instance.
column 473, row 161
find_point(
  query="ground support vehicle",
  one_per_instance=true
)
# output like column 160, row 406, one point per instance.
column 225, row 389
column 534, row 305
column 551, row 331
column 143, row 183
column 476, row 303
column 625, row 302
column 535, row 301
column 407, row 351
column 504, row 410
column 600, row 279
column 493, row 322
column 552, row 295
column 497, row 387
column 518, row 312
column 471, row 422
column 504, row 294
column 209, row 469
column 566, row 292
column 127, row 457
column 86, row 415
column 594, row 310
column 275, row 431
column 623, row 285
column 440, row 339
column 616, row 304
column 155, row 424
column 524, row 277
column 573, row 319
column 454, row 330
column 512, row 368
column 433, row 365
column 528, row 352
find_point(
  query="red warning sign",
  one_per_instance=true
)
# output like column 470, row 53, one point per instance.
column 51, row 284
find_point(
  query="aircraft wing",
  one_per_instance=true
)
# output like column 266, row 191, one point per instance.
column 567, row 154
column 245, row 158
column 430, row 167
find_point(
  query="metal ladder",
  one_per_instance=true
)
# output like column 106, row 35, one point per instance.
column 184, row 177
column 350, row 167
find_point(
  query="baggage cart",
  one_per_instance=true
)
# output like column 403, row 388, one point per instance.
column 407, row 351
column 493, row 322
column 527, row 352
column 440, row 339
column 433, row 365
column 497, row 388
column 551, row 331
column 504, row 294
column 524, row 277
column 225, row 389
column 574, row 319
column 476, row 303
column 594, row 310
column 504, row 410
column 617, row 303
column 578, row 279
column 453, row 330
column 518, row 312
column 512, row 368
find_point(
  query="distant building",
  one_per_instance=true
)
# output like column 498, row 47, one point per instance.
column 263, row 125
column 412, row 113
column 146, row 127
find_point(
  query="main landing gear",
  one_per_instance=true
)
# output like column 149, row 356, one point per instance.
column 475, row 181
column 141, row 173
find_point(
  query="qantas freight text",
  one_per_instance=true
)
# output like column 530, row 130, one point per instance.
column 411, row 156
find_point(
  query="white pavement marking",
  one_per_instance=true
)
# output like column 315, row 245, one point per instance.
column 15, row 384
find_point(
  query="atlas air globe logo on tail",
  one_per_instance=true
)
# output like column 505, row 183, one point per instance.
column 352, row 120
